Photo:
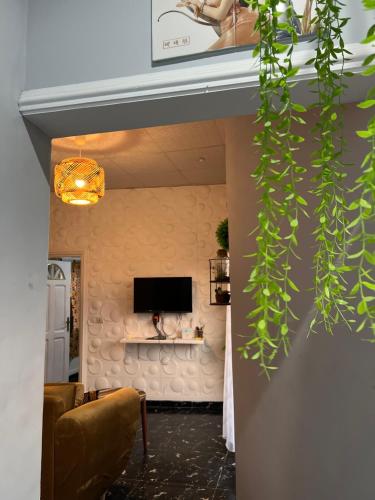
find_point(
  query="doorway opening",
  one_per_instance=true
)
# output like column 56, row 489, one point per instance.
column 64, row 319
column 165, row 198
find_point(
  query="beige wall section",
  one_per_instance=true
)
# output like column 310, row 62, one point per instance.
column 309, row 433
column 147, row 232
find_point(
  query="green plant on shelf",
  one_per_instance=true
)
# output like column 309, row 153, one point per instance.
column 222, row 234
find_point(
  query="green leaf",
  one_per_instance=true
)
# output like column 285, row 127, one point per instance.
column 262, row 324
column 279, row 47
column 299, row 108
column 354, row 205
column 356, row 255
column 370, row 257
column 367, row 104
column 370, row 286
column 284, row 329
column 361, row 326
column 355, row 289
column 369, row 4
column 294, row 223
column 369, row 39
column 364, row 134
column 368, row 60
column 364, row 203
column 286, row 297
column 371, row 69
column 292, row 285
column 354, row 223
column 361, row 308
column 301, row 200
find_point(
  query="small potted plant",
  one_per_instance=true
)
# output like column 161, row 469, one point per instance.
column 222, row 296
column 222, row 238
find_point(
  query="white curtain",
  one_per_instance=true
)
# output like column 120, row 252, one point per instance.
column 228, row 406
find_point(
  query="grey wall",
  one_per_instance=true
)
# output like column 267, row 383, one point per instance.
column 24, row 198
column 309, row 433
column 74, row 41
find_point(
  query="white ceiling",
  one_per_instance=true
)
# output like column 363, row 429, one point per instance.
column 187, row 154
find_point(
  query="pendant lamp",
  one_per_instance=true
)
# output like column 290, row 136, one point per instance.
column 79, row 181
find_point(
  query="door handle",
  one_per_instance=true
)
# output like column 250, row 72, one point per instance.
column 68, row 324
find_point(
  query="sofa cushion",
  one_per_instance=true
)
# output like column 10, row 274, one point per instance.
column 70, row 393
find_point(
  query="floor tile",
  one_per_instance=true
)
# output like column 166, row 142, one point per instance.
column 147, row 491
column 186, row 460
column 224, row 495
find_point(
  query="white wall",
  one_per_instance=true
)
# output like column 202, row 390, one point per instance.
column 309, row 433
column 23, row 254
column 147, row 232
column 87, row 40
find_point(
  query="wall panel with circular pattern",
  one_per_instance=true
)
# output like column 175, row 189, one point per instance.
column 147, row 232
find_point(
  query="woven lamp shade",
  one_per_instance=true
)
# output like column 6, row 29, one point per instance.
column 79, row 181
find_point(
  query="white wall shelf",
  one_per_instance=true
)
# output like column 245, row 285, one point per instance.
column 142, row 340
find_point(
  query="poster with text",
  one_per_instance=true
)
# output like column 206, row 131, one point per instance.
column 187, row 28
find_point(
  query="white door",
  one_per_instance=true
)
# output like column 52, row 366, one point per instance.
column 58, row 322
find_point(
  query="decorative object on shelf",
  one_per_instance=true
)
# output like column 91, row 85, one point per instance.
column 222, row 238
column 219, row 281
column 199, row 332
column 187, row 333
column 158, row 325
column 79, row 181
column 222, row 296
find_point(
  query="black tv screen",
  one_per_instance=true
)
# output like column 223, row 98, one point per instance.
column 163, row 295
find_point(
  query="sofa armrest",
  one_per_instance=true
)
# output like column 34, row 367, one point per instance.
column 53, row 408
column 93, row 443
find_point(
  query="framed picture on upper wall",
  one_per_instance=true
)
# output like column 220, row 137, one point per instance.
column 186, row 28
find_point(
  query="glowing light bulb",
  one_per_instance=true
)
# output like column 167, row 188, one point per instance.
column 80, row 183
column 79, row 202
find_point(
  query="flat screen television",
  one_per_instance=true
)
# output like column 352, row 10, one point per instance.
column 173, row 295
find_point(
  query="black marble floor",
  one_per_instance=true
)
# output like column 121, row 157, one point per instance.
column 186, row 460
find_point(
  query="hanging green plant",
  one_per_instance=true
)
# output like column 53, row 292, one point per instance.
column 277, row 176
column 362, row 261
column 331, row 295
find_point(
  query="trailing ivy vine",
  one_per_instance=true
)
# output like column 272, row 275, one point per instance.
column 277, row 176
column 363, row 260
column 331, row 294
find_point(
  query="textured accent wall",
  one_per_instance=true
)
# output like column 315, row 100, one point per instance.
column 75, row 310
column 147, row 232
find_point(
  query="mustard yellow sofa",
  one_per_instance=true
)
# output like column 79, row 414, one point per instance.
column 85, row 447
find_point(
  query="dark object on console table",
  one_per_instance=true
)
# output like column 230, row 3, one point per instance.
column 85, row 448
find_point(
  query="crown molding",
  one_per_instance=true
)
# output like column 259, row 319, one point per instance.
column 163, row 84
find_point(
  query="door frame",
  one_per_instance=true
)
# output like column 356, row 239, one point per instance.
column 56, row 254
